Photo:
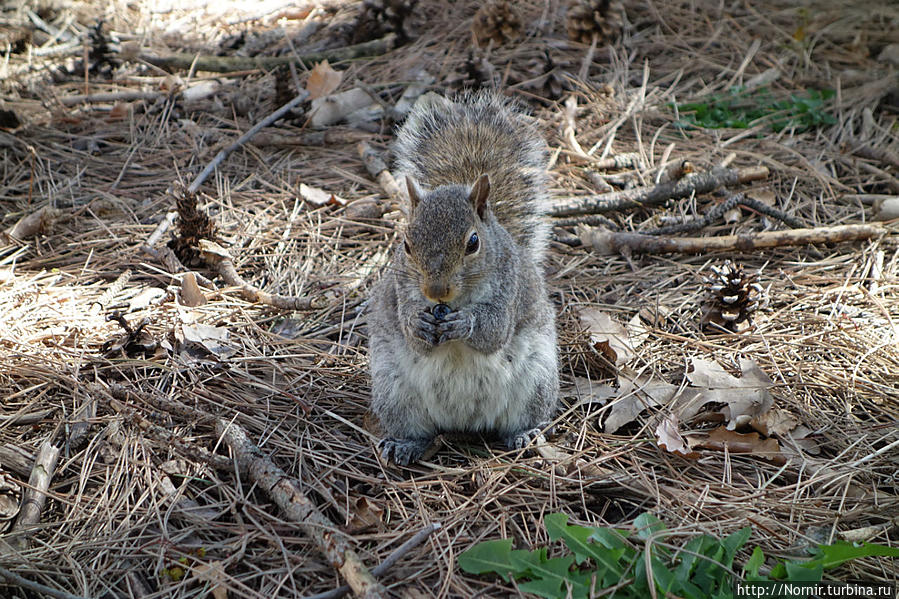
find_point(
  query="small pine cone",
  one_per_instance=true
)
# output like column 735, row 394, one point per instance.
column 602, row 18
column 497, row 21
column 732, row 297
column 477, row 72
column 543, row 77
column 380, row 17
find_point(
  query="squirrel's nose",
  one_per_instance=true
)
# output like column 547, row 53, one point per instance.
column 436, row 291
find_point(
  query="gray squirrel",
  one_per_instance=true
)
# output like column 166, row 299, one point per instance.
column 462, row 334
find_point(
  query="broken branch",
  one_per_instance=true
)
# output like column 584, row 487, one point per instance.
column 226, row 64
column 384, row 566
column 652, row 196
column 604, row 241
column 377, row 168
column 36, row 494
column 220, row 157
column 286, row 492
column 218, row 258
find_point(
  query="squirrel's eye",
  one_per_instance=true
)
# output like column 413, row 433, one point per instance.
column 473, row 243
column 406, row 247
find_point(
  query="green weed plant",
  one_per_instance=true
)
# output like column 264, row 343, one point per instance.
column 740, row 108
column 621, row 564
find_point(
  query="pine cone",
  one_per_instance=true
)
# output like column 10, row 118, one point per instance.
column 497, row 21
column 732, row 297
column 544, row 78
column 602, row 18
column 380, row 17
column 477, row 72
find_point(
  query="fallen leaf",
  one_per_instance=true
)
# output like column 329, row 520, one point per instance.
column 331, row 109
column 322, row 80
column 721, row 438
column 145, row 298
column 366, row 513
column 637, row 393
column 214, row 574
column 637, row 332
column 213, row 339
column 774, row 422
column 38, row 222
column 201, row 90
column 669, row 438
column 190, row 292
column 319, row 197
column 607, row 336
column 744, row 398
column 590, row 392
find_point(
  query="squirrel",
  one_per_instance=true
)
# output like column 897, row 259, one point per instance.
column 462, row 334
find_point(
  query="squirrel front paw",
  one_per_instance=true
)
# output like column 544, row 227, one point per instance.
column 423, row 326
column 403, row 451
column 455, row 325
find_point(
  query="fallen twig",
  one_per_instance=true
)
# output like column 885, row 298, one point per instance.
column 384, row 566
column 37, row 587
column 36, row 494
column 377, row 168
column 604, row 241
column 285, row 491
column 225, row 64
column 15, row 459
column 218, row 258
column 195, row 184
column 123, row 96
column 651, row 196
column 866, row 150
column 718, row 211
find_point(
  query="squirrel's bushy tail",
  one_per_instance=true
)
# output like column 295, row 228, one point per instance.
column 447, row 142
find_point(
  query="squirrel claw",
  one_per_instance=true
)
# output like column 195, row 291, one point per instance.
column 522, row 439
column 455, row 326
column 403, row 451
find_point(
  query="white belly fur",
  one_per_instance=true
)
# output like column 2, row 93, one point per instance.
column 461, row 389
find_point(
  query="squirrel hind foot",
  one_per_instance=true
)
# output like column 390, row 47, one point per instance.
column 403, row 452
column 521, row 439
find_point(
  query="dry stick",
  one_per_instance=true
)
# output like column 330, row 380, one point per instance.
column 123, row 96
column 286, row 492
column 16, row 459
column 195, row 185
column 384, row 566
column 225, row 64
column 868, row 151
column 36, row 586
column 377, row 168
column 626, row 160
column 36, row 495
column 609, row 242
column 718, row 211
column 652, row 196
column 218, row 258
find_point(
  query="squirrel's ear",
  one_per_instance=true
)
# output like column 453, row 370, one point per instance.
column 478, row 196
column 414, row 192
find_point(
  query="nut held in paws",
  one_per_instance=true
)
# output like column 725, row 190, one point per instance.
column 440, row 311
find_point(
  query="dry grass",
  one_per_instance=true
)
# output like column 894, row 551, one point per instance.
column 135, row 492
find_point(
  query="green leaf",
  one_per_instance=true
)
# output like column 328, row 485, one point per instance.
column 576, row 538
column 489, row 556
column 733, row 543
column 756, row 561
column 831, row 556
column 550, row 576
column 647, row 525
column 805, row 572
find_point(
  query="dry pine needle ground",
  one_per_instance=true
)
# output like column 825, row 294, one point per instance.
column 143, row 502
